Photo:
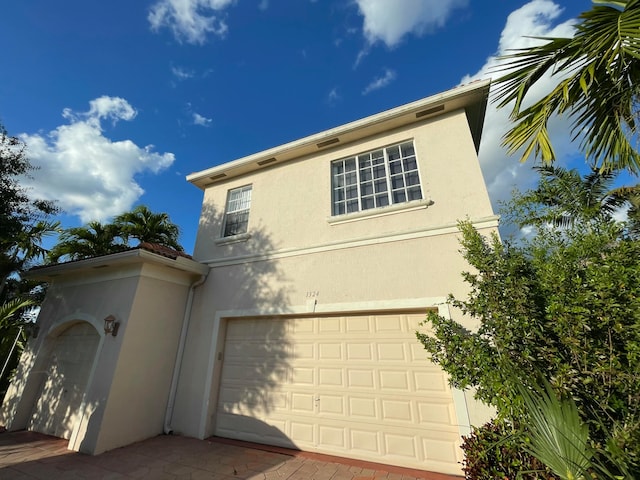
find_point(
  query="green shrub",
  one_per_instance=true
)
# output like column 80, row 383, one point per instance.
column 564, row 306
column 494, row 452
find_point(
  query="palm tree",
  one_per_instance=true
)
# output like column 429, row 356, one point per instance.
column 563, row 197
column 599, row 88
column 25, row 247
column 92, row 240
column 12, row 335
column 147, row 226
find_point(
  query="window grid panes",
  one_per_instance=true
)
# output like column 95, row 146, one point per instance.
column 375, row 179
column 237, row 212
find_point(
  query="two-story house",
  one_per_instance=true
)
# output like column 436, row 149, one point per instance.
column 294, row 324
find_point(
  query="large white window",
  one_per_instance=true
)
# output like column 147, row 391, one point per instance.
column 236, row 218
column 375, row 179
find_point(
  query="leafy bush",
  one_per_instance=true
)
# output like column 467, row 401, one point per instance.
column 565, row 305
column 494, row 452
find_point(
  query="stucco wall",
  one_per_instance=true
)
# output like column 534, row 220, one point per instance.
column 291, row 203
column 126, row 396
column 138, row 395
column 88, row 298
column 299, row 259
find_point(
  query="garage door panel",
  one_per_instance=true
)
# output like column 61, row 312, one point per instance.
column 358, row 378
column 358, row 386
column 430, row 382
column 303, row 432
column 330, row 351
column 331, row 377
column 364, row 408
column 304, row 351
column 435, row 413
column 303, row 376
column 357, row 325
column 365, row 442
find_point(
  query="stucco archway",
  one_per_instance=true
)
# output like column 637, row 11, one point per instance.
column 65, row 373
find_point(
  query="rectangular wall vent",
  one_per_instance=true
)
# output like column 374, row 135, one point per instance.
column 218, row 177
column 430, row 111
column 326, row 143
column 267, row 161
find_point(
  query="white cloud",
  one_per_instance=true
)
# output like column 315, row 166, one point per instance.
column 333, row 96
column 182, row 73
column 389, row 22
column 503, row 173
column 86, row 173
column 380, row 82
column 200, row 120
column 263, row 5
column 190, row 20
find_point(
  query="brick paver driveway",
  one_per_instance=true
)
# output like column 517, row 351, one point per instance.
column 28, row 455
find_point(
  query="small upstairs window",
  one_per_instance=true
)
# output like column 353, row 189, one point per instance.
column 236, row 217
column 375, row 179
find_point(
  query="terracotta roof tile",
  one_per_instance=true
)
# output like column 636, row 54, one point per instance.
column 163, row 250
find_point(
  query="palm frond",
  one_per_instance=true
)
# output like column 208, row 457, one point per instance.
column 11, row 308
column 600, row 75
column 557, row 435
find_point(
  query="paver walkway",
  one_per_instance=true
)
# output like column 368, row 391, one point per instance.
column 29, row 455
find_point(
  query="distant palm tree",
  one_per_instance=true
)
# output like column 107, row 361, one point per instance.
column 599, row 89
column 26, row 247
column 92, row 240
column 147, row 226
column 564, row 197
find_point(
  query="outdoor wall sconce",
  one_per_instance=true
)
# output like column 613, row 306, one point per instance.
column 111, row 326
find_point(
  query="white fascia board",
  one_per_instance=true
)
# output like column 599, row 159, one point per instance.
column 474, row 93
column 128, row 257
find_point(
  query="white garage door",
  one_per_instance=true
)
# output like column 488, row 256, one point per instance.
column 353, row 386
column 56, row 409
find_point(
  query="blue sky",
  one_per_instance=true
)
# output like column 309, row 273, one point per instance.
column 118, row 101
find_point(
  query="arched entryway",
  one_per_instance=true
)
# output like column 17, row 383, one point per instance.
column 64, row 380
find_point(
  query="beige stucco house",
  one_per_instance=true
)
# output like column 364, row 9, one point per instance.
column 294, row 322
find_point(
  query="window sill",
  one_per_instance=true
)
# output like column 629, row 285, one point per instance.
column 380, row 212
column 242, row 237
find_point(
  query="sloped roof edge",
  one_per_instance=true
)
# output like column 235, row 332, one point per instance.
column 143, row 253
column 471, row 97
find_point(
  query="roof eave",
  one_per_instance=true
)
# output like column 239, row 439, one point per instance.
column 471, row 97
column 129, row 257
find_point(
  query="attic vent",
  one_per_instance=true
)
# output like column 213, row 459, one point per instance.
column 267, row 161
column 101, row 266
column 326, row 143
column 424, row 113
column 218, row 177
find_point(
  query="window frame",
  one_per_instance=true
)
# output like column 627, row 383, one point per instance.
column 378, row 191
column 243, row 208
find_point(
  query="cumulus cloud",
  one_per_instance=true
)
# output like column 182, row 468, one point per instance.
column 389, row 22
column 380, row 82
column 190, row 20
column 503, row 173
column 86, row 173
column 200, row 120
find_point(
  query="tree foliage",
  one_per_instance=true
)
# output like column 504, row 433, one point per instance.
column 23, row 225
column 147, row 226
column 23, row 222
column 564, row 305
column 599, row 71
column 95, row 238
column 565, row 197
